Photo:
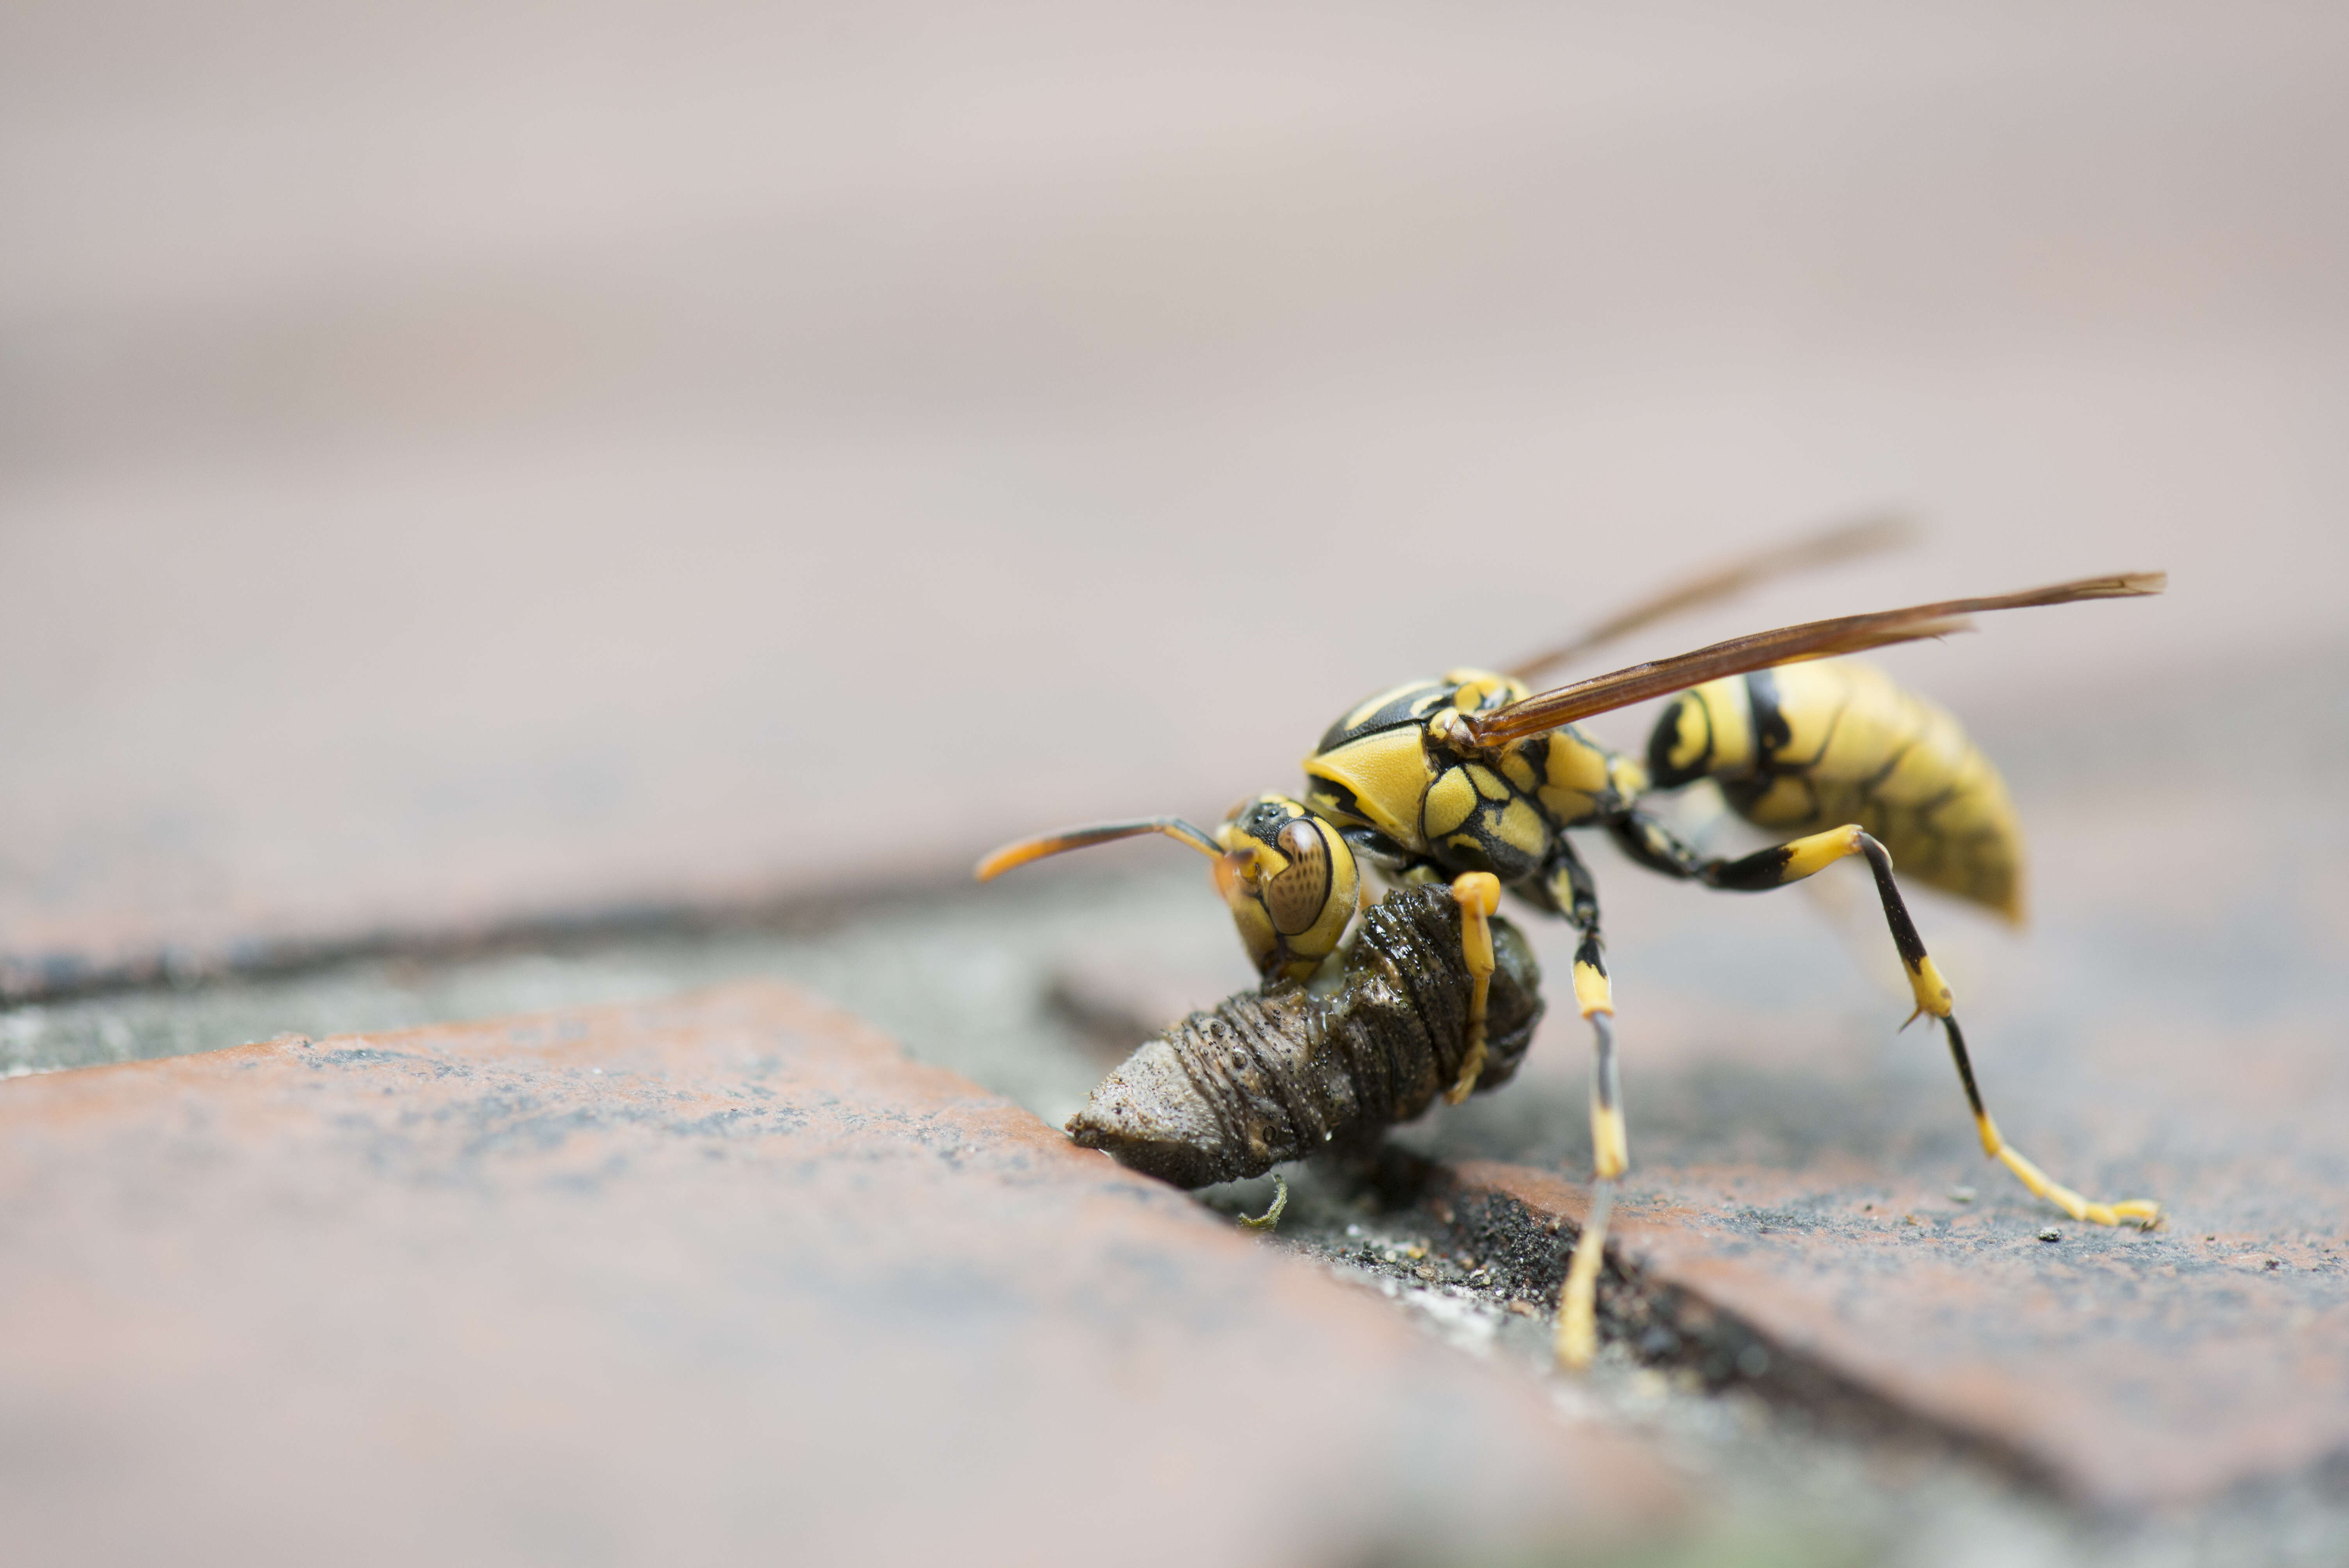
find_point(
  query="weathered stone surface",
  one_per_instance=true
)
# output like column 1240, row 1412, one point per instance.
column 721, row 1279
column 2137, row 1371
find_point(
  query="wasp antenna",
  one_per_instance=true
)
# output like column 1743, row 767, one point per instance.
column 1036, row 849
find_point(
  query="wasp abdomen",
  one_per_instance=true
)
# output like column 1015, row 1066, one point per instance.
column 1815, row 746
column 1270, row 1075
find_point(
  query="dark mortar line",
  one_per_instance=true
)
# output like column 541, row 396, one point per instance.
column 808, row 911
column 1717, row 1343
column 1524, row 1258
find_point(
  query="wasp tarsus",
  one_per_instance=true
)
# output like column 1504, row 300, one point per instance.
column 1275, row 1075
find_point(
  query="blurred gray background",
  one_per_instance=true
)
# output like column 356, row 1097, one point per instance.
column 464, row 464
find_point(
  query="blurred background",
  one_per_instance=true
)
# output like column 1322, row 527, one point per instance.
column 672, row 472
column 464, row 465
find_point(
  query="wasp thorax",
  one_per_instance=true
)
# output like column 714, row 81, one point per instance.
column 1480, row 691
column 1451, row 731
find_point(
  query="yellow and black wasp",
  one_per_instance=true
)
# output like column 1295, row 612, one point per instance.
column 1473, row 781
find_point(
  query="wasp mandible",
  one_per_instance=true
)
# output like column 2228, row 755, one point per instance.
column 1475, row 779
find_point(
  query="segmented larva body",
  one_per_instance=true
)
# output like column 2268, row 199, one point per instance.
column 1276, row 1074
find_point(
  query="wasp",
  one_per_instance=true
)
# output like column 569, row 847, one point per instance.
column 1474, row 780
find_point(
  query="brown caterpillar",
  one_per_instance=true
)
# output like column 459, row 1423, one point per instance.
column 1275, row 1075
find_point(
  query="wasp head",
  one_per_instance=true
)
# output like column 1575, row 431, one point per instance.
column 1287, row 877
column 1290, row 881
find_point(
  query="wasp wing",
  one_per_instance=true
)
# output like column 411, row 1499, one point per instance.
column 1838, row 543
column 1786, row 645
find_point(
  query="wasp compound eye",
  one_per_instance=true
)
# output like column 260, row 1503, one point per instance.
column 1296, row 897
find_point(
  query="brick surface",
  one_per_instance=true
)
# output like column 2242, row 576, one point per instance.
column 721, row 1279
column 2168, row 1028
column 850, row 446
column 2128, row 1371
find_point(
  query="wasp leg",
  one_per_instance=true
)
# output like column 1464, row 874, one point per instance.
column 1479, row 895
column 1577, row 1300
column 1578, row 1327
column 1648, row 842
column 1565, row 886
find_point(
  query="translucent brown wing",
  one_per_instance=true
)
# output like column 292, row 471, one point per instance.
column 1786, row 645
column 1838, row 543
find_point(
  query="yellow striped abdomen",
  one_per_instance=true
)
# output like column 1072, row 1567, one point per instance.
column 1813, row 746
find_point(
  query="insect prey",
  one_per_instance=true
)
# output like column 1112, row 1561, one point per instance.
column 1269, row 1076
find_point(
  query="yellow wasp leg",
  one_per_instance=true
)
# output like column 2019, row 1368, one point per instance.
column 1577, row 1327
column 1791, row 862
column 1479, row 896
column 1565, row 887
column 1611, row 1149
column 1578, row 1323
